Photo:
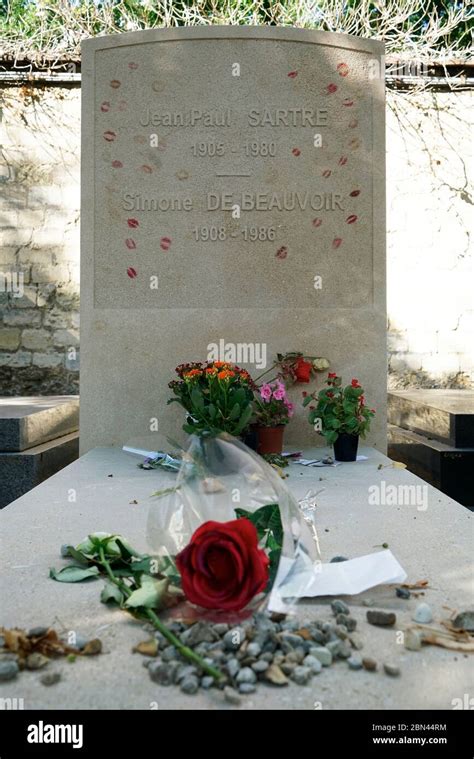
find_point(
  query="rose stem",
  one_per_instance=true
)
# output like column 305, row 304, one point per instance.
column 158, row 624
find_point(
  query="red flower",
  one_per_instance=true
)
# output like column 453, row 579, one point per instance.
column 330, row 394
column 355, row 383
column 302, row 370
column 223, row 567
column 304, row 393
column 332, row 375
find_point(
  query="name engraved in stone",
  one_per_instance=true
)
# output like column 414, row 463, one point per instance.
column 293, row 117
column 139, row 202
column 188, row 118
column 275, row 201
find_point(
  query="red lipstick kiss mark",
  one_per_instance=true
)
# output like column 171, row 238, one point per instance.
column 131, row 244
column 354, row 143
column 133, row 66
column 296, row 151
column 133, row 223
column 317, row 222
column 326, row 173
column 132, row 273
column 117, row 164
column 146, row 169
column 293, row 74
column 331, row 88
column 336, row 243
column 353, row 123
column 354, row 193
column 342, row 69
column 351, row 219
column 165, row 243
column 122, row 106
column 109, row 135
column 105, row 106
column 281, row 252
column 342, row 160
column 348, row 102
column 115, row 84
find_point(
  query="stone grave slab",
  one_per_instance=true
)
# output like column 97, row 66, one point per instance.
column 233, row 185
column 433, row 543
column 30, row 421
column 445, row 415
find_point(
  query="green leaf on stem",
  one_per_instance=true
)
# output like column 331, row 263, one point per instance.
column 150, row 594
column 73, row 573
column 111, row 593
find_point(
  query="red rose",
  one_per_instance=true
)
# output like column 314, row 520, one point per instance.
column 302, row 370
column 332, row 375
column 355, row 383
column 223, row 567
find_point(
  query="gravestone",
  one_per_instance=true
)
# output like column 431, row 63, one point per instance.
column 233, row 188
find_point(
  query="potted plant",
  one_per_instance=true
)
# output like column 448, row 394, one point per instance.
column 295, row 367
column 217, row 397
column 273, row 411
column 340, row 414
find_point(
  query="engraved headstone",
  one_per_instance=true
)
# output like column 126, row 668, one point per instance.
column 233, row 196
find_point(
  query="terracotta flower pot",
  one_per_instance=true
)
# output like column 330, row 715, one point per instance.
column 270, row 439
column 345, row 447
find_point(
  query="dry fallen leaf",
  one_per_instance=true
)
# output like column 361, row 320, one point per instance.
column 399, row 465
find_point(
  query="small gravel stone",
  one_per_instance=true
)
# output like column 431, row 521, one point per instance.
column 328, row 627
column 323, row 654
column 36, row 661
column 369, row 664
column 80, row 642
column 301, row 675
column 290, row 625
column 403, row 593
column 381, row 618
column 220, row 628
column 423, row 614
column 254, row 649
column 233, row 666
column 313, row 663
column 247, row 688
column 349, row 622
column 341, row 632
column 339, row 607
column 162, row 672
column 8, row 670
column 368, row 602
column 169, row 653
column 200, row 632
column 318, row 636
column 50, row 678
column 356, row 641
column 332, row 646
column 206, row 682
column 355, row 661
column 336, row 559
column 184, row 672
column 260, row 666
column 267, row 657
column 391, row 669
column 464, row 621
column 38, row 632
column 413, row 640
column 275, row 675
column 64, row 551
column 234, row 638
column 344, row 650
column 246, row 675
column 231, row 696
column 287, row 667
column 190, row 685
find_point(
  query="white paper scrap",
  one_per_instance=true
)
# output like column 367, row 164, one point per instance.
column 343, row 578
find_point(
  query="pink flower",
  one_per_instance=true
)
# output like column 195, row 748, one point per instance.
column 280, row 393
column 291, row 408
column 266, row 392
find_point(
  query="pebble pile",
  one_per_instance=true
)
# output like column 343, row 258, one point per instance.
column 268, row 648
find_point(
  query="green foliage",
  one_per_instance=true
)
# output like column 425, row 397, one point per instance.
column 267, row 520
column 340, row 410
column 216, row 399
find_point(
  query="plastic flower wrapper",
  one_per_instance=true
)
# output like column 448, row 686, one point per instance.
column 232, row 530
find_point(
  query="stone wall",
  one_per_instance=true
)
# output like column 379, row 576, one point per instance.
column 430, row 327
column 39, row 240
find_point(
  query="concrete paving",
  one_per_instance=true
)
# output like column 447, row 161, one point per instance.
column 434, row 544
